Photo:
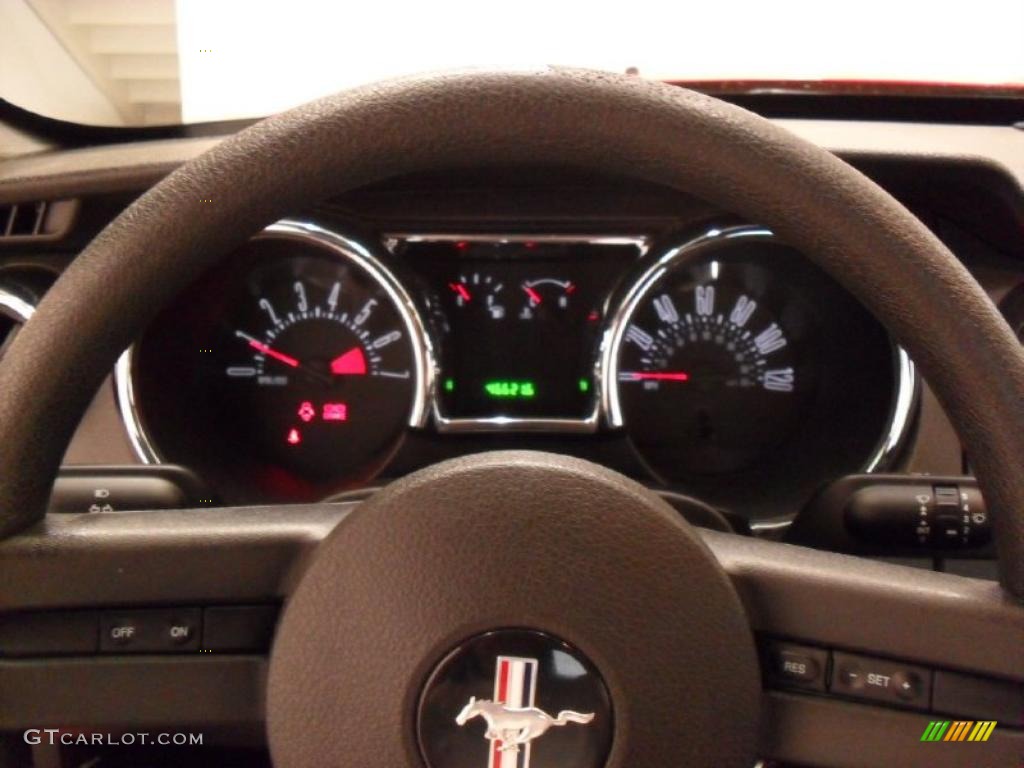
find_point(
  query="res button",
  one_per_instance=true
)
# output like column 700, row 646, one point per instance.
column 795, row 666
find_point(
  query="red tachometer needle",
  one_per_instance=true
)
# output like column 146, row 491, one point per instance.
column 659, row 376
column 351, row 363
column 279, row 356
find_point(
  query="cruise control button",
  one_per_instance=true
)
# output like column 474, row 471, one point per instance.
column 122, row 631
column 882, row 680
column 172, row 630
column 180, row 632
column 792, row 665
column 906, row 685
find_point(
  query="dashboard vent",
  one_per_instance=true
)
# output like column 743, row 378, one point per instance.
column 23, row 219
column 38, row 219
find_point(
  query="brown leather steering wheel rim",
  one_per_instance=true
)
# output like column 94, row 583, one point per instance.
column 847, row 224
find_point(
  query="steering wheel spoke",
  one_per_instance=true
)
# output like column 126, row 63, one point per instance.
column 257, row 555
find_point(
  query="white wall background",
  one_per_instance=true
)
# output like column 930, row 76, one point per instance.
column 37, row 73
column 267, row 55
column 242, row 58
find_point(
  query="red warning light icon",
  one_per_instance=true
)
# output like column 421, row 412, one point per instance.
column 335, row 412
column 306, row 411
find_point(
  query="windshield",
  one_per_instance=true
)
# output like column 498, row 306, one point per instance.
column 147, row 62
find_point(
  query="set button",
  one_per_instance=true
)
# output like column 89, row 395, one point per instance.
column 882, row 680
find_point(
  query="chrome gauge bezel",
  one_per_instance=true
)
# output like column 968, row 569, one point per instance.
column 345, row 248
column 907, row 387
column 15, row 307
column 586, row 425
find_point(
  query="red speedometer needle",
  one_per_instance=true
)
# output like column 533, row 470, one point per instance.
column 652, row 376
column 269, row 352
column 534, row 296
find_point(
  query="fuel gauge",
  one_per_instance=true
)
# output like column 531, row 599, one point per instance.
column 545, row 296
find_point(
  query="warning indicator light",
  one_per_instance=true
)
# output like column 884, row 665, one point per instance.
column 335, row 412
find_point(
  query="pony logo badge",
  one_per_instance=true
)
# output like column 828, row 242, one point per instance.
column 513, row 721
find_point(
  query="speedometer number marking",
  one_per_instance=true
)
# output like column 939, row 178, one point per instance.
column 742, row 311
column 704, row 300
column 640, row 337
column 666, row 310
column 779, row 380
column 770, row 340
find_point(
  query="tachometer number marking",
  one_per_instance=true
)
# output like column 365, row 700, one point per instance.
column 387, row 338
column 266, row 307
column 300, row 292
column 364, row 313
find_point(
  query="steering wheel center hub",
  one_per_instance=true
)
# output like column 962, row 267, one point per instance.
column 363, row 671
column 522, row 699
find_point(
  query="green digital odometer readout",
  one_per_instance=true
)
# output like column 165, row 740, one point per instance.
column 505, row 389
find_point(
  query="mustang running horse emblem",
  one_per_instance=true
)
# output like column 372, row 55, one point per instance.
column 514, row 727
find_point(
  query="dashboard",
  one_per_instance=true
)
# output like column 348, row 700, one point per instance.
column 432, row 317
column 436, row 316
column 718, row 361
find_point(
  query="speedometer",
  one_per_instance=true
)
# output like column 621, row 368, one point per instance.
column 711, row 367
column 301, row 360
column 732, row 356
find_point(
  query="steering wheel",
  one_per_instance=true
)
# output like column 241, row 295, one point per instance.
column 527, row 556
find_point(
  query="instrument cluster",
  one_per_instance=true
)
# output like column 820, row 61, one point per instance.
column 723, row 364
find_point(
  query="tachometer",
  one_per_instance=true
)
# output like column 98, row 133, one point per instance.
column 309, row 366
